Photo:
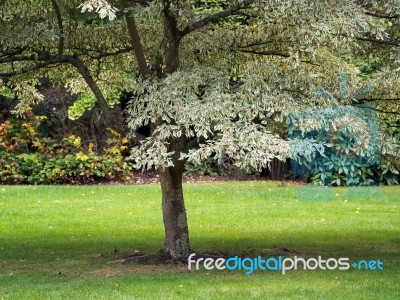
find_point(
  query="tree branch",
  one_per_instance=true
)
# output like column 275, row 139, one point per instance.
column 266, row 52
column 379, row 99
column 172, row 39
column 47, row 60
column 138, row 137
column 382, row 16
column 117, row 52
column 381, row 110
column 379, row 42
column 16, row 51
column 84, row 71
column 217, row 16
column 9, row 59
column 274, row 53
column 195, row 142
column 60, row 27
column 263, row 43
column 297, row 92
column 98, row 53
column 135, row 39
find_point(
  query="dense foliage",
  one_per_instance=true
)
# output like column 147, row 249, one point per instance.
column 29, row 156
column 238, row 60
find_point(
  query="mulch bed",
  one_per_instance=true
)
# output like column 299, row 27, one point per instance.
column 161, row 258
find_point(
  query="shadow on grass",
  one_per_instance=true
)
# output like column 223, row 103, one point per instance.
column 359, row 244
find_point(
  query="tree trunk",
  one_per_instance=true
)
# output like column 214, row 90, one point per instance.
column 278, row 169
column 174, row 214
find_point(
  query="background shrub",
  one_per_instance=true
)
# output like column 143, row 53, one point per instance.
column 27, row 156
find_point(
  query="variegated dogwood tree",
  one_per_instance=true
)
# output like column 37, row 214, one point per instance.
column 209, row 77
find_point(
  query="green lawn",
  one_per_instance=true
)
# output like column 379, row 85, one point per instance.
column 60, row 241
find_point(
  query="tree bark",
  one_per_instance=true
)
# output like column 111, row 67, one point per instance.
column 172, row 41
column 101, row 101
column 135, row 39
column 174, row 213
column 278, row 169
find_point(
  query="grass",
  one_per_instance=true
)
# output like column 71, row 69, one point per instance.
column 62, row 242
